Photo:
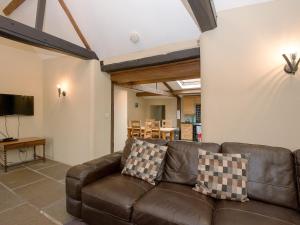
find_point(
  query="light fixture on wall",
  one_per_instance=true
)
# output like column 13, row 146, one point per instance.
column 61, row 91
column 292, row 63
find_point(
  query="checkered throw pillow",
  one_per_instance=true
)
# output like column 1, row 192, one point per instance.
column 145, row 160
column 222, row 176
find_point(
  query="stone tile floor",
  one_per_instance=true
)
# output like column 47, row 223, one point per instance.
column 34, row 194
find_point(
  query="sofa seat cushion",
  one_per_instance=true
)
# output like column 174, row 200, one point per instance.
column 172, row 204
column 115, row 195
column 253, row 212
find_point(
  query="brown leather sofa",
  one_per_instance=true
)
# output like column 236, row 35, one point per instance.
column 100, row 195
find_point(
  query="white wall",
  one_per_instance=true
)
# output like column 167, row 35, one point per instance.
column 143, row 112
column 246, row 95
column 101, row 110
column 21, row 73
column 125, row 111
column 77, row 127
column 171, row 107
column 120, row 117
column 134, row 113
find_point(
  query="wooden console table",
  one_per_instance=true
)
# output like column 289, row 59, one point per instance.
column 22, row 143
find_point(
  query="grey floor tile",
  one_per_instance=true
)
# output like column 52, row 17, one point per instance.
column 42, row 193
column 57, row 172
column 8, row 199
column 36, row 165
column 76, row 222
column 24, row 215
column 9, row 169
column 19, row 178
column 58, row 211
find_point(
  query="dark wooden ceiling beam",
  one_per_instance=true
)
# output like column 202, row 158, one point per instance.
column 168, row 86
column 187, row 91
column 22, row 33
column 183, row 70
column 175, row 93
column 146, row 94
column 74, row 24
column 40, row 14
column 205, row 13
column 12, row 6
column 144, row 88
column 157, row 60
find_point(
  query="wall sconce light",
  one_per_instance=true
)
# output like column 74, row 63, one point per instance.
column 292, row 64
column 61, row 91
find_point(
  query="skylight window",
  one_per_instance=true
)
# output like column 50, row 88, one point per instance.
column 188, row 84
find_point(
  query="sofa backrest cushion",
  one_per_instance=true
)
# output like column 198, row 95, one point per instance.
column 127, row 150
column 297, row 161
column 271, row 173
column 182, row 161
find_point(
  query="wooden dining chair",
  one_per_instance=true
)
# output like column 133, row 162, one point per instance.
column 150, row 120
column 166, row 124
column 135, row 128
column 148, row 129
column 156, row 129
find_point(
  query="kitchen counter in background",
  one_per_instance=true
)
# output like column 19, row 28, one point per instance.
column 191, row 131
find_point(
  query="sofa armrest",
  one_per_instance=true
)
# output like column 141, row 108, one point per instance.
column 83, row 174
column 297, row 165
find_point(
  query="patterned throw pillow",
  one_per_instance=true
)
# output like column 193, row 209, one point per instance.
column 222, row 176
column 145, row 160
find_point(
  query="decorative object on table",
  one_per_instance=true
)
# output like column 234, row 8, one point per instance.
column 145, row 161
column 222, row 176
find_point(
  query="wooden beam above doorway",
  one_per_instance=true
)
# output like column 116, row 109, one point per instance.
column 22, row 33
column 176, row 56
column 151, row 90
column 187, row 91
column 146, row 94
column 12, row 6
column 183, row 70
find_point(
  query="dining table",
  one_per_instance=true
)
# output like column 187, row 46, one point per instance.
column 163, row 130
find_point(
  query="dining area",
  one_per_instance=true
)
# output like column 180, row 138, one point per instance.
column 161, row 129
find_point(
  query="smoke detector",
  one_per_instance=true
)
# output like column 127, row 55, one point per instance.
column 135, row 37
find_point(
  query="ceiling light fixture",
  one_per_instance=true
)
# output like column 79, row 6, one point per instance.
column 135, row 37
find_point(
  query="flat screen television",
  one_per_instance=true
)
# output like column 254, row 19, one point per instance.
column 16, row 105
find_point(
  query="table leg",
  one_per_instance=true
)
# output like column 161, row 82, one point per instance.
column 172, row 134
column 44, row 153
column 34, row 152
column 163, row 134
column 128, row 133
column 5, row 160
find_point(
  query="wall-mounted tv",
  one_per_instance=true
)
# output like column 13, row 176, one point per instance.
column 16, row 105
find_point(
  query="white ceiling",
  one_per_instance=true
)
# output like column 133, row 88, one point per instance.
column 230, row 4
column 108, row 24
